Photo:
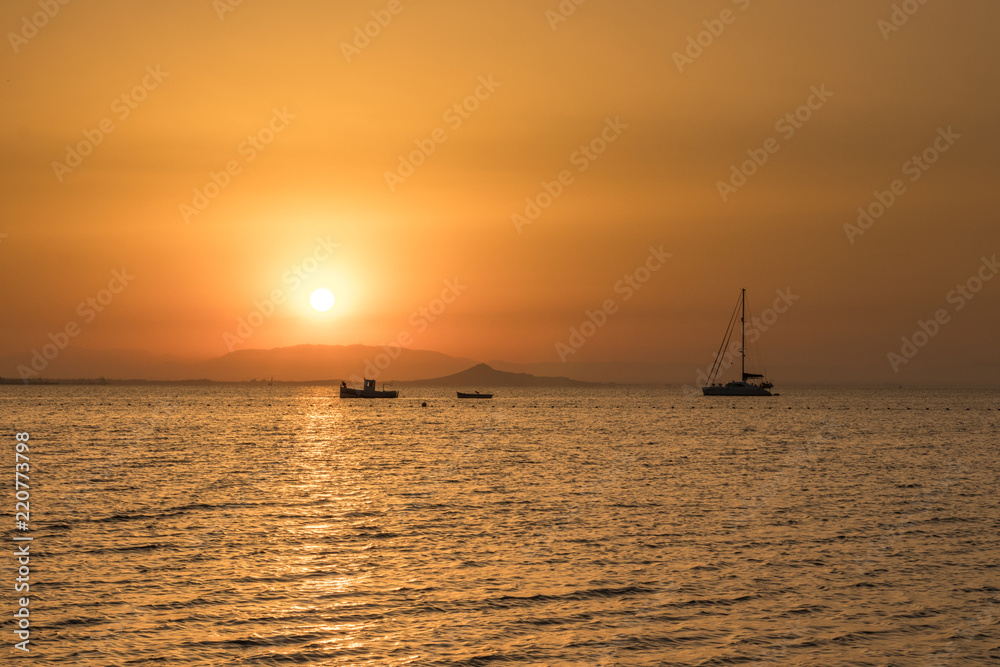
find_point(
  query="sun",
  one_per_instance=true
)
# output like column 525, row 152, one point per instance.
column 322, row 299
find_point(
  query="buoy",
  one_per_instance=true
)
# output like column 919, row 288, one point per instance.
column 424, row 404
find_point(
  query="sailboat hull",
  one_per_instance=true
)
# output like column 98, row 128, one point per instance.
column 736, row 389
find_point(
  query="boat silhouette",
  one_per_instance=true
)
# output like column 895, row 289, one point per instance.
column 369, row 391
column 744, row 386
column 475, row 395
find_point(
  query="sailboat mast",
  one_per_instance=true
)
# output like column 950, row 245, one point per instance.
column 743, row 335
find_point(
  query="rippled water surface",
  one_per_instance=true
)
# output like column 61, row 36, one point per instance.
column 269, row 526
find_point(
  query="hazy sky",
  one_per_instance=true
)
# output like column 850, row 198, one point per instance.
column 201, row 149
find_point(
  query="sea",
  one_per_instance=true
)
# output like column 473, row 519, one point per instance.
column 279, row 525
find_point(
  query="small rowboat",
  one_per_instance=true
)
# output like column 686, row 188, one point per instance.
column 475, row 395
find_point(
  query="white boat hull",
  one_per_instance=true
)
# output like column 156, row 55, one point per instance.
column 736, row 389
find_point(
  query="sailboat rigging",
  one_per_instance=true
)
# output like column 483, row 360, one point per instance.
column 745, row 386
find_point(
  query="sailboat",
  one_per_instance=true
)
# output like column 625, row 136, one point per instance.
column 745, row 386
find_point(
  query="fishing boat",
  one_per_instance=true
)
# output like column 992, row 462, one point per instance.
column 475, row 395
column 369, row 391
column 746, row 385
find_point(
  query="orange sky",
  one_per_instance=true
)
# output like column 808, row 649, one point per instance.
column 199, row 82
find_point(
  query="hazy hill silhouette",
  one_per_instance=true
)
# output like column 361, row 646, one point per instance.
column 308, row 363
column 301, row 363
column 482, row 376
column 323, row 362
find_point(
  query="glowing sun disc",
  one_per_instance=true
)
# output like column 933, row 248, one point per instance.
column 322, row 299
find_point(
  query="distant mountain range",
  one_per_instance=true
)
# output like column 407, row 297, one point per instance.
column 482, row 376
column 310, row 363
column 314, row 363
column 301, row 363
column 317, row 363
column 607, row 372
